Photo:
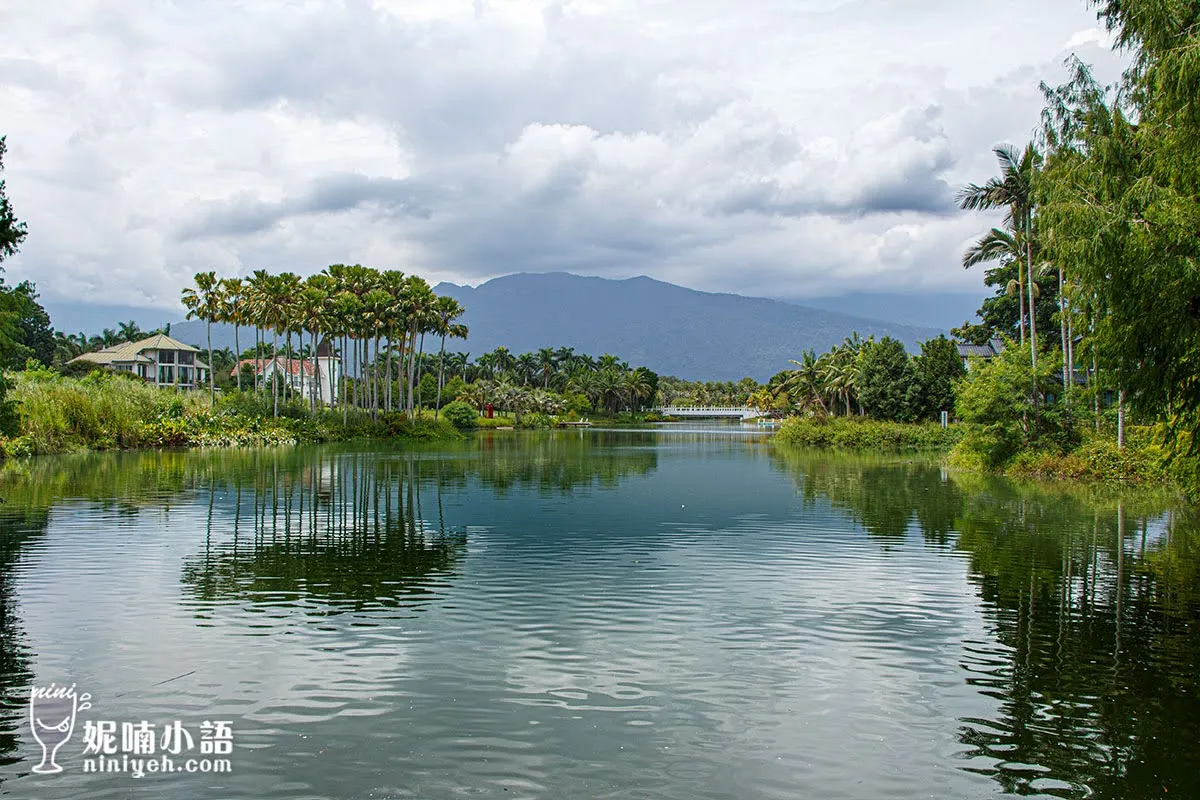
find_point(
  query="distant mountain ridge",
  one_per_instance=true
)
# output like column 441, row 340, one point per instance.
column 670, row 329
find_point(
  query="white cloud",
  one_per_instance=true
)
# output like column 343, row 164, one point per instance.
column 760, row 147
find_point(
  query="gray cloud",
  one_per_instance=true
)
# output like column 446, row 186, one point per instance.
column 246, row 215
column 770, row 148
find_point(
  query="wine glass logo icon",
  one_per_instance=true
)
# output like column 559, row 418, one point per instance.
column 52, row 712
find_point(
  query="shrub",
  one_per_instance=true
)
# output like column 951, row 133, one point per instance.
column 536, row 421
column 8, row 410
column 460, row 415
column 865, row 434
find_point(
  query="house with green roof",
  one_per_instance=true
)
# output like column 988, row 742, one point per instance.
column 158, row 359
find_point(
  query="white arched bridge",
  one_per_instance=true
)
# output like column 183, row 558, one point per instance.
column 724, row 412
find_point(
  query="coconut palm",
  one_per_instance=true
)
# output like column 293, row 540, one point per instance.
column 806, row 384
column 1012, row 190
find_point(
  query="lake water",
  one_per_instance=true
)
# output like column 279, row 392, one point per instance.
column 683, row 613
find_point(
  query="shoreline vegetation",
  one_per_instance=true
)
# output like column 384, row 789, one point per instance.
column 1096, row 459
column 1081, row 365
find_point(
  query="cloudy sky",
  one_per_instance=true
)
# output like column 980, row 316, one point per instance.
column 765, row 147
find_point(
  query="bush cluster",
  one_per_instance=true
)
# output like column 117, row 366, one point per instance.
column 857, row 433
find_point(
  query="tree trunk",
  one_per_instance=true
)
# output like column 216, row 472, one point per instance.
column 420, row 366
column 212, row 388
column 1071, row 349
column 437, row 404
column 275, row 377
column 315, row 389
column 289, row 391
column 412, row 366
column 391, row 336
column 1021, row 298
column 1029, row 272
column 375, row 379
column 237, row 356
column 1062, row 320
column 1120, row 419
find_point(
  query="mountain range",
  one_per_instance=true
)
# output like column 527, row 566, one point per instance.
column 668, row 328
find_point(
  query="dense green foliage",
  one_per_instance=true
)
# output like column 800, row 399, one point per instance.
column 865, row 434
column 106, row 410
column 12, row 231
column 25, row 330
column 934, row 374
column 8, row 409
column 996, row 402
column 885, row 378
column 460, row 415
column 876, row 379
column 1099, row 236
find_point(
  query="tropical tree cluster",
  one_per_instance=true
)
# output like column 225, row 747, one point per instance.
column 676, row 392
column 377, row 321
column 1097, row 252
column 876, row 379
column 550, row 381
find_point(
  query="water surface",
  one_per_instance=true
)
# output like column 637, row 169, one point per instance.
column 682, row 613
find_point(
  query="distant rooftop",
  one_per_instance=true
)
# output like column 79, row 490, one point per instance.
column 133, row 352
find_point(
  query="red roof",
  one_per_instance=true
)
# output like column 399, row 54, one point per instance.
column 292, row 366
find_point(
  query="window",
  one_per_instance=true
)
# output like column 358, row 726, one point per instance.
column 185, row 375
column 187, row 358
column 166, row 356
column 166, row 374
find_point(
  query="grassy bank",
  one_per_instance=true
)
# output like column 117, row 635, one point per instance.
column 1089, row 457
column 104, row 411
column 863, row 434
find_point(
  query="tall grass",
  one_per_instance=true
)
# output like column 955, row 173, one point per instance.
column 99, row 411
column 105, row 411
column 865, row 434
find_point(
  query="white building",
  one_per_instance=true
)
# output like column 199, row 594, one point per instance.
column 299, row 374
column 158, row 359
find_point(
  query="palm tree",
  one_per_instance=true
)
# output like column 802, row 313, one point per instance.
column 377, row 304
column 807, row 382
column 130, row 331
column 547, row 361
column 1012, row 190
column 343, row 313
column 257, row 301
column 419, row 301
column 232, row 311
column 486, row 365
column 1005, row 247
column 637, row 387
column 204, row 302
column 311, row 316
column 504, row 360
column 526, row 367
column 446, row 310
